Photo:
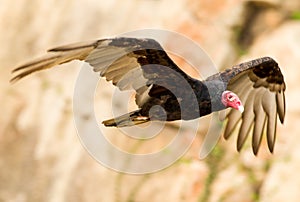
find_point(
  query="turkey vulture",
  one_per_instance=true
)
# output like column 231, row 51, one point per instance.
column 142, row 64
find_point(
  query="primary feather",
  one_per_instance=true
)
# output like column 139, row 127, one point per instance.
column 144, row 66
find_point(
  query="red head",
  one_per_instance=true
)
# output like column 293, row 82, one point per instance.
column 230, row 99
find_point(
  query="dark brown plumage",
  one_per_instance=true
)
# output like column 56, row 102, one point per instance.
column 143, row 65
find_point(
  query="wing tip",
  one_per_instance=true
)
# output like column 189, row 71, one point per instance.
column 239, row 147
column 14, row 80
column 76, row 46
column 271, row 147
column 255, row 149
column 271, row 137
column 281, row 105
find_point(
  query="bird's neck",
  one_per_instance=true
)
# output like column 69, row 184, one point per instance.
column 211, row 92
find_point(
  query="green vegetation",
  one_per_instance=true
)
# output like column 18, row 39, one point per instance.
column 213, row 162
column 295, row 15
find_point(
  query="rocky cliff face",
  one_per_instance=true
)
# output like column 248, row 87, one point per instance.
column 41, row 158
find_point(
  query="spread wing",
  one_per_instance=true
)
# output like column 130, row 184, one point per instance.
column 260, row 86
column 130, row 63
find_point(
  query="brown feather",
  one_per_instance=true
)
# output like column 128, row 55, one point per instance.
column 50, row 61
column 260, row 86
column 142, row 64
column 259, row 121
column 247, row 121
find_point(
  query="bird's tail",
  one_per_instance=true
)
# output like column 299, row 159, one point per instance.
column 55, row 56
column 130, row 119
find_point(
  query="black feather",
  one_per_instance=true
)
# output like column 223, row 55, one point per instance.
column 144, row 66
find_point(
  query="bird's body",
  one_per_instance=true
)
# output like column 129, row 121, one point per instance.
column 165, row 93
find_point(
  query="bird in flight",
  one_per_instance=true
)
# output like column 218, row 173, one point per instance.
column 254, row 90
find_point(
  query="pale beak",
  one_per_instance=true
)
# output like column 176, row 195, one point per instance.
column 241, row 108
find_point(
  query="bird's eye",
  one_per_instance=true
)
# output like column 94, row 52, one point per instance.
column 231, row 98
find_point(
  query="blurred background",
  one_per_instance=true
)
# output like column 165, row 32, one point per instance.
column 41, row 157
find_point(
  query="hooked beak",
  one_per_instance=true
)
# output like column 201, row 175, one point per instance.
column 241, row 108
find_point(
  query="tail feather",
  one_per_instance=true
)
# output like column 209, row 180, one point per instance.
column 130, row 119
column 54, row 57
